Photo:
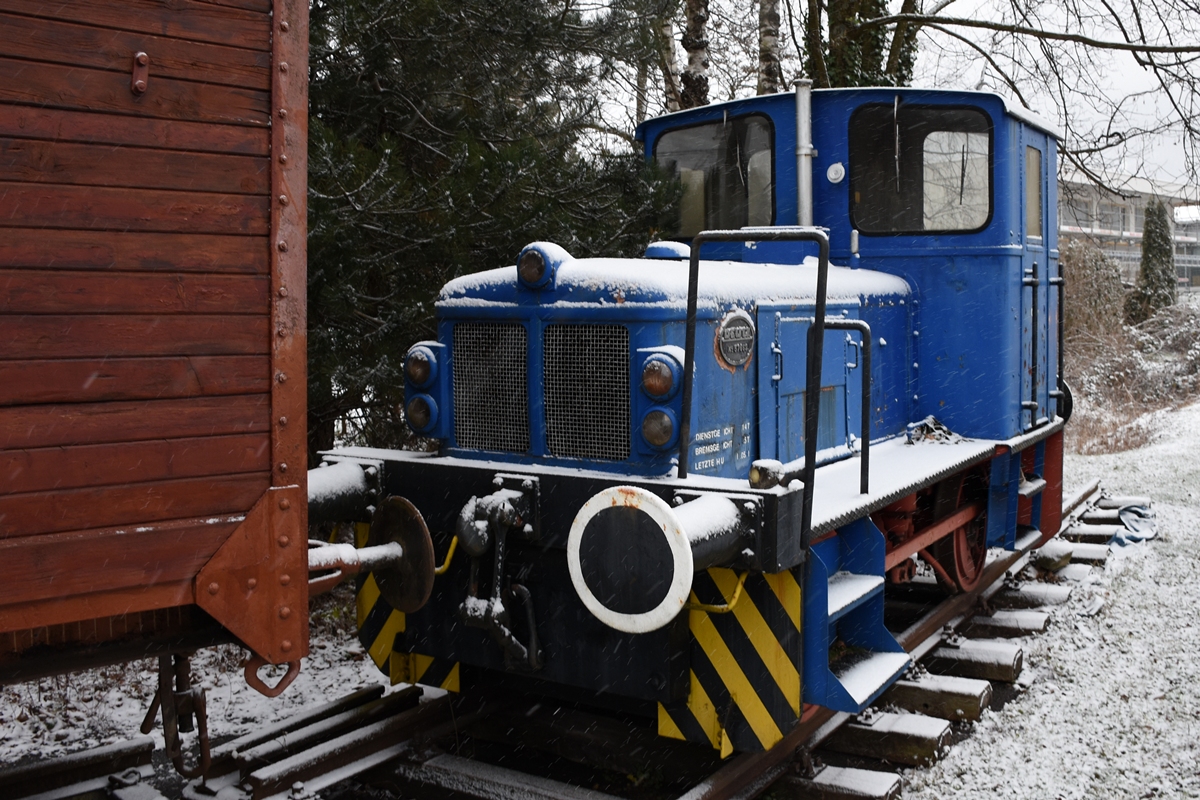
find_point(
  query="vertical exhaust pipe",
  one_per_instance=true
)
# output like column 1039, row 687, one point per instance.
column 804, row 152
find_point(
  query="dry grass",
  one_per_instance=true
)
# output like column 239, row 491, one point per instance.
column 1120, row 378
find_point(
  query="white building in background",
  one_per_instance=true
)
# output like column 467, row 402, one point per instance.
column 1114, row 222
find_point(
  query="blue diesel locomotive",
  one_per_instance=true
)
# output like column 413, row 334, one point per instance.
column 681, row 484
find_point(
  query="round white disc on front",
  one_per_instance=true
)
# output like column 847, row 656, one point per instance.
column 681, row 565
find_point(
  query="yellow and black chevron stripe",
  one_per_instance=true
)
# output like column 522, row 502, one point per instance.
column 378, row 625
column 744, row 689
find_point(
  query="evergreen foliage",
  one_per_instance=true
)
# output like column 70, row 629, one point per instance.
column 443, row 138
column 1157, row 283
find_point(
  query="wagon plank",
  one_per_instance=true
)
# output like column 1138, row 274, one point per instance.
column 183, row 19
column 94, row 423
column 130, row 250
column 134, row 504
column 61, row 42
column 91, row 380
column 80, row 89
column 75, row 336
column 83, row 292
column 31, row 160
column 33, row 205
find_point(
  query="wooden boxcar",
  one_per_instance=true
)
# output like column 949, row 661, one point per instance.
column 152, row 329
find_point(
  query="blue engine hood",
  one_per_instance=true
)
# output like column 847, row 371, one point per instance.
column 641, row 283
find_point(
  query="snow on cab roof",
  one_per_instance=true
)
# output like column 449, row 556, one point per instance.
column 665, row 282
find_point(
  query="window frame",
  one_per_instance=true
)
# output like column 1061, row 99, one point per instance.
column 724, row 121
column 991, row 166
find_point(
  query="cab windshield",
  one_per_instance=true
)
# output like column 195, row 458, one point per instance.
column 920, row 169
column 725, row 173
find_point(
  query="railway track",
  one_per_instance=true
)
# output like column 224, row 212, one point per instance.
column 429, row 744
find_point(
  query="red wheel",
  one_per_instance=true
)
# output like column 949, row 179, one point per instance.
column 959, row 558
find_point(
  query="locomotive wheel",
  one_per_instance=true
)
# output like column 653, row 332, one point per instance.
column 962, row 555
column 406, row 587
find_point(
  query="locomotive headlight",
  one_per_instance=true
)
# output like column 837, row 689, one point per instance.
column 532, row 267
column 421, row 413
column 660, row 376
column 420, row 367
column 658, row 427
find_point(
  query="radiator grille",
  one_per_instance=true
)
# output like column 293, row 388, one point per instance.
column 491, row 401
column 587, row 391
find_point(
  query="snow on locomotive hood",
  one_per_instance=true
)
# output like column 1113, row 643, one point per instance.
column 639, row 282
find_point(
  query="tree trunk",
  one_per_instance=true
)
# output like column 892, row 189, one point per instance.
column 669, row 67
column 640, row 112
column 770, row 74
column 816, row 47
column 902, row 53
column 695, row 42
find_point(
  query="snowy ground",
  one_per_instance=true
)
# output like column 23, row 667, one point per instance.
column 95, row 707
column 1112, row 708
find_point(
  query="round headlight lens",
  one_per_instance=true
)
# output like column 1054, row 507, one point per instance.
column 531, row 267
column 658, row 379
column 417, row 368
column 419, row 413
column 658, row 428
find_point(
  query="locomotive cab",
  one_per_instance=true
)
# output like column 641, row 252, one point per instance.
column 626, row 440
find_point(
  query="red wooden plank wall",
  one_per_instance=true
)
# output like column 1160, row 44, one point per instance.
column 142, row 336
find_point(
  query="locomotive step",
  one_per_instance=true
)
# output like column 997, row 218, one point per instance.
column 864, row 679
column 943, row 696
column 847, row 591
column 842, row 783
column 1031, row 487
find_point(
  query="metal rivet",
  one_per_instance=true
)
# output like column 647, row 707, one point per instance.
column 283, row 26
column 282, row 158
column 283, row 66
column 214, row 587
column 139, row 86
column 282, row 467
column 285, row 504
column 283, row 420
column 283, row 291
column 283, row 113
column 284, row 541
column 252, row 583
column 285, row 579
column 284, row 612
column 143, row 59
column 281, row 377
column 282, row 246
column 283, row 201
column 285, row 645
column 282, row 332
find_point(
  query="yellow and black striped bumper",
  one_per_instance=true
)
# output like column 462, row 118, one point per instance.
column 744, row 691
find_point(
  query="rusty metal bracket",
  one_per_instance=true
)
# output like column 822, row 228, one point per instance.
column 139, row 80
column 256, row 584
column 259, row 685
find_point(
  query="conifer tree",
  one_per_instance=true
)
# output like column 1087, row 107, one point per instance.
column 1157, row 284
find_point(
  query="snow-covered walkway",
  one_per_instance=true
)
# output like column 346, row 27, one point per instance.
column 1112, row 708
